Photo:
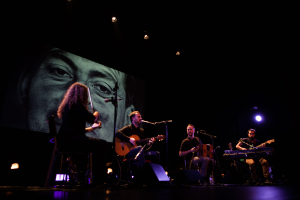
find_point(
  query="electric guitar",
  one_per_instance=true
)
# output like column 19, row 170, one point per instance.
column 269, row 142
column 123, row 148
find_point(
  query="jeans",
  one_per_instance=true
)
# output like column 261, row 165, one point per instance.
column 203, row 161
column 140, row 158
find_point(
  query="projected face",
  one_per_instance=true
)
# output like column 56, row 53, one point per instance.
column 56, row 73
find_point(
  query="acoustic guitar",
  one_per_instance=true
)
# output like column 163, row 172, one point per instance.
column 122, row 148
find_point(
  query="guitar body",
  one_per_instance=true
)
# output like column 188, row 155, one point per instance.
column 123, row 148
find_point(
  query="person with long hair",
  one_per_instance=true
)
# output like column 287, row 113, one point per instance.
column 74, row 113
column 73, row 108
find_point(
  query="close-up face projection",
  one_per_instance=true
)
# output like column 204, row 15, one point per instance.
column 42, row 88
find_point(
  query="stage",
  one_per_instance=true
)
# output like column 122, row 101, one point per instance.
column 276, row 192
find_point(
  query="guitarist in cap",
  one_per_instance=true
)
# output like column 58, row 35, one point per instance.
column 126, row 134
column 244, row 145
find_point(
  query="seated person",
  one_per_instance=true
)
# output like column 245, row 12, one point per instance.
column 189, row 147
column 125, row 133
column 71, row 136
column 244, row 145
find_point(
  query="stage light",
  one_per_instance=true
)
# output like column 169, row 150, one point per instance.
column 14, row 166
column 114, row 19
column 258, row 118
column 109, row 170
column 177, row 53
column 146, row 37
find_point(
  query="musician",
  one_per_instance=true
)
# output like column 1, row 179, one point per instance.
column 244, row 145
column 134, row 129
column 189, row 148
column 73, row 112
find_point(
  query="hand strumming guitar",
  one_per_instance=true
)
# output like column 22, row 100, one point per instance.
column 132, row 141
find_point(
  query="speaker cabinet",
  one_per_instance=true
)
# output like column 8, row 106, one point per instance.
column 188, row 177
column 151, row 174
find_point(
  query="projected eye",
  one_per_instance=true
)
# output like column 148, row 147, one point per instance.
column 102, row 89
column 61, row 72
column 56, row 70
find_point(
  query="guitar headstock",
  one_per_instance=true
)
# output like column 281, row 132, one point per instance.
column 270, row 141
column 160, row 137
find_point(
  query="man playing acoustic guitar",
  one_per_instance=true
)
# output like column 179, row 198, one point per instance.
column 129, row 137
column 244, row 145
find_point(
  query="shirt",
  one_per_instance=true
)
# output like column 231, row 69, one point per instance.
column 127, row 131
column 188, row 144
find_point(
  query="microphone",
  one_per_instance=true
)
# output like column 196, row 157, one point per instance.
column 201, row 131
column 109, row 100
column 147, row 122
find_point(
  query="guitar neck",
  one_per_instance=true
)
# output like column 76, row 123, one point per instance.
column 143, row 141
column 262, row 144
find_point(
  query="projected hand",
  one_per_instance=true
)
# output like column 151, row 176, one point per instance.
column 97, row 125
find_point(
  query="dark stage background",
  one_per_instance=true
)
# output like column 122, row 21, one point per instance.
column 232, row 59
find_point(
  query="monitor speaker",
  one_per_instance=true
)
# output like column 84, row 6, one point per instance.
column 151, row 174
column 188, row 176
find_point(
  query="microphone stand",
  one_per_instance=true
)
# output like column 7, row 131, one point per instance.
column 167, row 140
column 115, row 103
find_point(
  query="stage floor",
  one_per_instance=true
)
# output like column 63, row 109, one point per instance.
column 232, row 192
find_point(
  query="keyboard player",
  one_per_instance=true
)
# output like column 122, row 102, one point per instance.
column 248, row 143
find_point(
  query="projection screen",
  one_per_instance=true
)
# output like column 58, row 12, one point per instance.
column 41, row 76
